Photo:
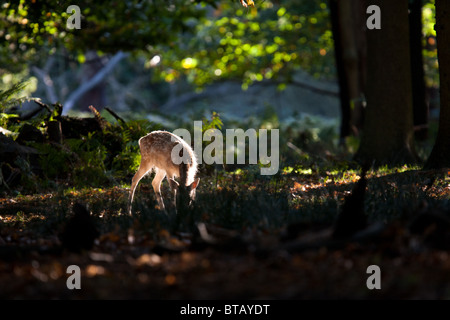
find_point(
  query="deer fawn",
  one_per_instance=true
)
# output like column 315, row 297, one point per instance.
column 156, row 152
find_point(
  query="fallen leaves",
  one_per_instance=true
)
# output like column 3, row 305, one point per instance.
column 145, row 257
column 93, row 270
column 170, row 279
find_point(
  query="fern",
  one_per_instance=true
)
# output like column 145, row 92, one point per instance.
column 126, row 135
column 8, row 97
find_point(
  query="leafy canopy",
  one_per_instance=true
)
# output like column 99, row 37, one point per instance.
column 199, row 39
column 131, row 25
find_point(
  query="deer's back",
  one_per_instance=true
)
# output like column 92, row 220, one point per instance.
column 157, row 146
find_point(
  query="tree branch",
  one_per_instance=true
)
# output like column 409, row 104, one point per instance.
column 99, row 76
column 314, row 88
column 224, row 88
column 43, row 75
column 115, row 115
column 211, row 91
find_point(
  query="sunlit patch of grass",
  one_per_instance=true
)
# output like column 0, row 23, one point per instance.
column 385, row 170
column 297, row 170
column 391, row 192
column 244, row 201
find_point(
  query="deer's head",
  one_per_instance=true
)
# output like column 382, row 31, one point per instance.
column 184, row 192
column 184, row 195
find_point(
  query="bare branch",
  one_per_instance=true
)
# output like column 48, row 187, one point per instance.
column 315, row 88
column 213, row 91
column 44, row 76
column 220, row 89
column 85, row 87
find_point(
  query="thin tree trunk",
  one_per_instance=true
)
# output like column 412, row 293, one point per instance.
column 96, row 95
column 359, row 13
column 346, row 19
column 342, row 78
column 347, row 28
column 420, row 105
column 440, row 155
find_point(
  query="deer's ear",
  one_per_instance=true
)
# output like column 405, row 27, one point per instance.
column 194, row 184
column 173, row 184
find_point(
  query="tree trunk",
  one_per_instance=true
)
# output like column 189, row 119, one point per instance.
column 359, row 14
column 440, row 155
column 348, row 26
column 95, row 96
column 420, row 105
column 340, row 38
column 388, row 128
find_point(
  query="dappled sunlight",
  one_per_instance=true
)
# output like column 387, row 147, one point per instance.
column 342, row 167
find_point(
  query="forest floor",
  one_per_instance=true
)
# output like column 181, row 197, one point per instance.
column 275, row 241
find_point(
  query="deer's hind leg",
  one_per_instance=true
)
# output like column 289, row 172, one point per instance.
column 156, row 183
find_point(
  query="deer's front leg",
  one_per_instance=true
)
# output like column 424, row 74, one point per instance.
column 156, row 183
column 174, row 188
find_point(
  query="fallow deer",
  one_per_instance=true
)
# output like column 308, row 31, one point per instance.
column 157, row 153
